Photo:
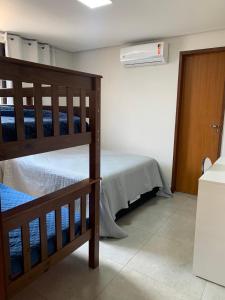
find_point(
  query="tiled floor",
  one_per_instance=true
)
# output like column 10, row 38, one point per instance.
column 153, row 263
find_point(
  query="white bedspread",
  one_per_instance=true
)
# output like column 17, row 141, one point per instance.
column 125, row 177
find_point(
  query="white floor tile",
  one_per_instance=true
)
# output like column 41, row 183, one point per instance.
column 186, row 204
column 131, row 285
column 73, row 280
column 169, row 261
column 213, row 292
column 179, row 227
column 149, row 217
column 122, row 250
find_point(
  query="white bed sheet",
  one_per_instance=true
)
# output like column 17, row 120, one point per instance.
column 125, row 177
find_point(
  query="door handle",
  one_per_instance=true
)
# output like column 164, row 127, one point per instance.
column 215, row 126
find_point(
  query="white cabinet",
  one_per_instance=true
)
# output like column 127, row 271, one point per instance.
column 209, row 248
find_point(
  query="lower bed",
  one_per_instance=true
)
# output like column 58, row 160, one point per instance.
column 11, row 198
column 124, row 178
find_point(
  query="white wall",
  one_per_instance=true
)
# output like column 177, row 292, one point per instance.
column 139, row 104
column 62, row 58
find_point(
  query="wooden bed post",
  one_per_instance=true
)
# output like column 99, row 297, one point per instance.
column 3, row 290
column 95, row 174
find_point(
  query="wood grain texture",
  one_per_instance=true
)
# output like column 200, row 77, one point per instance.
column 201, row 105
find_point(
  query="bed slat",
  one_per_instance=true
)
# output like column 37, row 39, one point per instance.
column 83, row 110
column 38, row 110
column 70, row 112
column 18, row 105
column 58, row 224
column 7, row 256
column 71, row 218
column 43, row 237
column 55, row 111
column 26, row 247
column 83, row 214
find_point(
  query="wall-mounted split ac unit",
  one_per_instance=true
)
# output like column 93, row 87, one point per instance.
column 146, row 54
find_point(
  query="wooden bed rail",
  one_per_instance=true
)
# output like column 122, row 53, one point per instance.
column 45, row 91
column 29, row 94
column 46, row 84
column 23, row 215
column 15, row 149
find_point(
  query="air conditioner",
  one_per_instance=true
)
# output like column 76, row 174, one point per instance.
column 146, row 54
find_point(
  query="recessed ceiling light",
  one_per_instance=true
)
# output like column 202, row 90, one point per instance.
column 95, row 3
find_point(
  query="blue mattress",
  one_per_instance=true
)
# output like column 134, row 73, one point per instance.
column 11, row 198
column 9, row 127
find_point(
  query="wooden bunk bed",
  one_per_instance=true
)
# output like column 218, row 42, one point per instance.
column 53, row 83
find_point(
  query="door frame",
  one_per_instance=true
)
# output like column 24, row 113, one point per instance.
column 182, row 56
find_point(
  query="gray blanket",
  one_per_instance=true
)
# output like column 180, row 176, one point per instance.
column 125, row 177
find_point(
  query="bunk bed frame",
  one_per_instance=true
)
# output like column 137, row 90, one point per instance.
column 51, row 82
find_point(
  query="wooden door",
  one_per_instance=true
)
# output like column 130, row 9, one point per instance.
column 200, row 116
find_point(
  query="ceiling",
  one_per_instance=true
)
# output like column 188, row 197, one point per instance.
column 69, row 25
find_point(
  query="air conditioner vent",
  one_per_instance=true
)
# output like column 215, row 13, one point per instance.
column 146, row 54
